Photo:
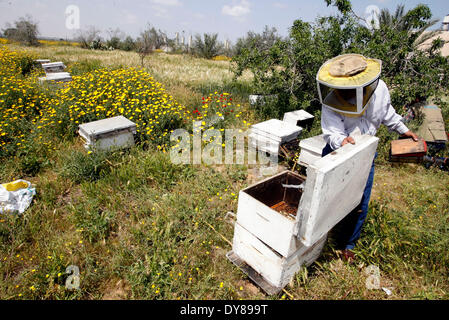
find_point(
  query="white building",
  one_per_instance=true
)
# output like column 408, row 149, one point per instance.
column 446, row 23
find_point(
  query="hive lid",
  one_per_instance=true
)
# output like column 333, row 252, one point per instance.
column 298, row 115
column 334, row 187
column 104, row 126
column 278, row 129
column 53, row 64
column 315, row 144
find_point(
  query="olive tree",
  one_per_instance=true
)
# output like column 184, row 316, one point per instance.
column 24, row 30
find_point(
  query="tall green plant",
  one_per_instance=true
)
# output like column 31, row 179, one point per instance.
column 207, row 46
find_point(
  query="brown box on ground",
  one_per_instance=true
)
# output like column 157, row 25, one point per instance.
column 408, row 150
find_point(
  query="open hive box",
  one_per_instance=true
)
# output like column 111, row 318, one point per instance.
column 282, row 222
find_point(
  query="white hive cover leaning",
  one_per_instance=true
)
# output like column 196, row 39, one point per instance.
column 277, row 130
column 93, row 130
column 295, row 116
column 53, row 64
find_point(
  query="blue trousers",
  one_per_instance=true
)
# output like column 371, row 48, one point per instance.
column 347, row 232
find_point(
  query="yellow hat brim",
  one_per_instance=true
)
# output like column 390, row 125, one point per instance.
column 371, row 73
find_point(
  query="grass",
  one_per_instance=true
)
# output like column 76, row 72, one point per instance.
column 140, row 227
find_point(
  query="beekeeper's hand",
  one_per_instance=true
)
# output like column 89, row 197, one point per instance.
column 410, row 134
column 348, row 140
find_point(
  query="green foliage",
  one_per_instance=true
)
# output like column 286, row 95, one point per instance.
column 83, row 66
column 149, row 40
column 26, row 64
column 207, row 46
column 31, row 159
column 93, row 222
column 81, row 166
column 288, row 68
column 128, row 44
column 344, row 6
column 87, row 36
column 261, row 41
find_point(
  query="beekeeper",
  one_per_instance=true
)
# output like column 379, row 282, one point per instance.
column 353, row 96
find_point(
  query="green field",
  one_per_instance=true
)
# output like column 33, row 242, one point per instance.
column 140, row 227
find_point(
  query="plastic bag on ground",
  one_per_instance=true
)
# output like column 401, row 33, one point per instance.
column 16, row 196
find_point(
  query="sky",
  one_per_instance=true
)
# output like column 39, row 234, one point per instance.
column 231, row 19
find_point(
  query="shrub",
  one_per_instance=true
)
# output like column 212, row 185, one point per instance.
column 25, row 31
column 149, row 40
column 128, row 44
column 260, row 41
column 207, row 46
column 87, row 36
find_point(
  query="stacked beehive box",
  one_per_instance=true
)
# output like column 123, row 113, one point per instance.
column 282, row 222
column 268, row 136
column 311, row 150
column 55, row 72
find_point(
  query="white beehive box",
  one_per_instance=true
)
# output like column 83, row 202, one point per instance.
column 333, row 187
column 283, row 221
column 277, row 130
column 268, row 136
column 274, row 268
column 299, row 118
column 57, row 77
column 53, row 67
column 117, row 132
column 311, row 150
column 264, row 144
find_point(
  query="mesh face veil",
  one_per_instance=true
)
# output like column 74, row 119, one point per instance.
column 346, row 83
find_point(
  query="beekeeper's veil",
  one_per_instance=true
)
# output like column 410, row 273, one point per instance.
column 347, row 82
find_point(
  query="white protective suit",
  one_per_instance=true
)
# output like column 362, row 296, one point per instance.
column 337, row 127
